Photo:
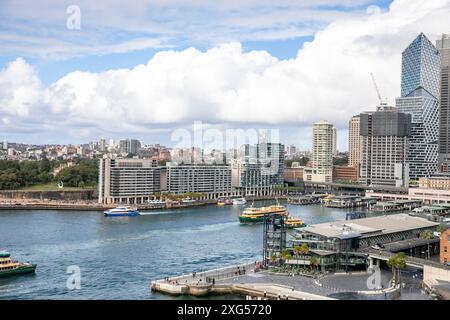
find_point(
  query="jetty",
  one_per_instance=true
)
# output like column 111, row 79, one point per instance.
column 247, row 280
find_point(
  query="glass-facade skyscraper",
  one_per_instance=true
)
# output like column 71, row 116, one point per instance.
column 420, row 98
column 443, row 45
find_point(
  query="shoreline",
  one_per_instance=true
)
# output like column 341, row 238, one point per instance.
column 32, row 204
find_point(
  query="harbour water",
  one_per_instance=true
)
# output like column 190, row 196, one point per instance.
column 119, row 256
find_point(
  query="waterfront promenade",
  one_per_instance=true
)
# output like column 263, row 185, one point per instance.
column 93, row 205
column 244, row 280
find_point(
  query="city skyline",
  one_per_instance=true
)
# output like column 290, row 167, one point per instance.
column 244, row 85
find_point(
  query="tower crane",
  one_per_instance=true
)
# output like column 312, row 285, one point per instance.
column 382, row 103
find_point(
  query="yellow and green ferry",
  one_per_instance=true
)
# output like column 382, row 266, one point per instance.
column 292, row 222
column 9, row 267
column 252, row 214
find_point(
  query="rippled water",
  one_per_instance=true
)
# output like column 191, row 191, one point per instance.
column 119, row 256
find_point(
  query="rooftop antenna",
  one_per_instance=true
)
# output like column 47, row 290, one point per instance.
column 382, row 103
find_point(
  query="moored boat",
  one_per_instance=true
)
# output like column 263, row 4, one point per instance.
column 121, row 211
column 239, row 201
column 292, row 222
column 252, row 214
column 9, row 267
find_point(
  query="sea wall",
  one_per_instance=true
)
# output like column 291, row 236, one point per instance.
column 50, row 195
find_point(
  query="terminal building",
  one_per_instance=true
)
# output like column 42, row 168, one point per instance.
column 343, row 244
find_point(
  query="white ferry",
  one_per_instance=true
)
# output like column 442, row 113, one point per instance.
column 121, row 211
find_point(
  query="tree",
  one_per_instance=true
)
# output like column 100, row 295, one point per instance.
column 297, row 250
column 286, row 255
column 304, row 249
column 397, row 263
column 273, row 258
column 428, row 235
column 314, row 261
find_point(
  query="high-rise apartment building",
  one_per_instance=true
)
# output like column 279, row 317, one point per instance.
column 443, row 46
column 129, row 146
column 334, row 142
column 322, row 158
column 420, row 98
column 212, row 180
column 384, row 147
column 259, row 169
column 354, row 141
column 130, row 181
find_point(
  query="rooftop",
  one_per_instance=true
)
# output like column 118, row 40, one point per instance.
column 386, row 224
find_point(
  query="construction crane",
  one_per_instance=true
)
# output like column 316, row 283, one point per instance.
column 377, row 90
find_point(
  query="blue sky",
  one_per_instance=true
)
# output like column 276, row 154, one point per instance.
column 122, row 35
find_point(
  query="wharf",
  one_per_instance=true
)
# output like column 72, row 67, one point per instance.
column 243, row 280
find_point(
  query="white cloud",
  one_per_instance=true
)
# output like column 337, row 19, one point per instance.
column 329, row 79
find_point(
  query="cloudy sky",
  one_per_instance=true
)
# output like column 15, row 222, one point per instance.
column 145, row 68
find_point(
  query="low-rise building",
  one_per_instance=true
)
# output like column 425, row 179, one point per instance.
column 293, row 174
column 442, row 183
column 346, row 173
column 426, row 195
column 343, row 243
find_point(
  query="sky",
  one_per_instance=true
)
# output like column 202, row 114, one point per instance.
column 75, row 71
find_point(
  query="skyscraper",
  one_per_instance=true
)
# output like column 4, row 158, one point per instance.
column 420, row 98
column 385, row 147
column 443, row 45
column 334, row 142
column 354, row 141
column 322, row 159
column 130, row 146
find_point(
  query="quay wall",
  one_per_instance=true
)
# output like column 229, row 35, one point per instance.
column 72, row 195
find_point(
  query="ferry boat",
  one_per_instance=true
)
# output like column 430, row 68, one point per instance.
column 239, row 201
column 9, row 267
column 253, row 214
column 188, row 200
column 292, row 222
column 121, row 211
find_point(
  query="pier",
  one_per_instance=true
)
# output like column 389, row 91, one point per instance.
column 247, row 280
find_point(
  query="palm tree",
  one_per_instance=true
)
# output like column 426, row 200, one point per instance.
column 428, row 235
column 297, row 250
column 314, row 261
column 397, row 263
column 304, row 249
column 286, row 255
column 273, row 258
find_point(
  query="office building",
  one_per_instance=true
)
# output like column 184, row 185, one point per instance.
column 259, row 169
column 346, row 174
column 214, row 181
column 129, row 181
column 385, row 147
column 443, row 46
column 129, row 146
column 322, row 157
column 354, row 141
column 290, row 151
column 420, row 98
